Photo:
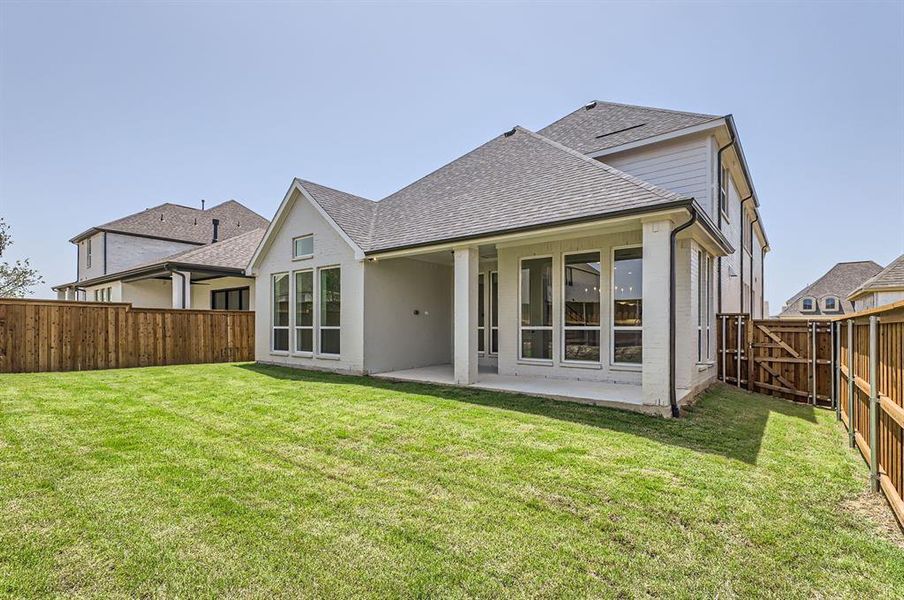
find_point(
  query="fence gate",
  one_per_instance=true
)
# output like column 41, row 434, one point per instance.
column 787, row 358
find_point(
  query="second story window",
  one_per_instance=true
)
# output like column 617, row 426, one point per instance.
column 303, row 247
column 723, row 190
column 831, row 303
column 808, row 305
column 88, row 253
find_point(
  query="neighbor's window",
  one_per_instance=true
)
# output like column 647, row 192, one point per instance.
column 831, row 303
column 704, row 305
column 231, row 299
column 481, row 314
column 808, row 304
column 582, row 307
column 330, row 294
column 627, row 306
column 88, row 253
column 494, row 312
column 304, row 311
column 303, row 247
column 281, row 312
column 536, row 308
column 723, row 190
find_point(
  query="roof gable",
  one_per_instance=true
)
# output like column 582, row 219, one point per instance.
column 891, row 277
column 601, row 125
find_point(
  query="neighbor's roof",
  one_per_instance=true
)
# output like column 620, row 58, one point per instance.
column 839, row 281
column 891, row 277
column 184, row 223
column 518, row 180
column 602, row 125
column 231, row 255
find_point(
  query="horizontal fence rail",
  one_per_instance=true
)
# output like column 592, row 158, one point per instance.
column 48, row 335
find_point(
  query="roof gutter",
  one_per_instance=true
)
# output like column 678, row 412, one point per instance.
column 673, row 401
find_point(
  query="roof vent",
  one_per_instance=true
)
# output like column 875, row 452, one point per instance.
column 202, row 203
column 590, row 105
column 510, row 133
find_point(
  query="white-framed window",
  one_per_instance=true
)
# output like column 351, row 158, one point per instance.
column 723, row 190
column 627, row 305
column 581, row 306
column 481, row 314
column 303, row 246
column 808, row 304
column 304, row 312
column 88, row 253
column 280, row 318
column 704, row 306
column 494, row 312
column 831, row 303
column 330, row 291
column 535, row 300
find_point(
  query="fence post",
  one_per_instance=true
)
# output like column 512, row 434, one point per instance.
column 873, row 403
column 724, row 347
column 851, row 375
column 738, row 361
column 813, row 359
column 836, row 367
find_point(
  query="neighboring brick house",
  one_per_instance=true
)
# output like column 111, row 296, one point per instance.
column 886, row 287
column 828, row 295
column 586, row 260
column 169, row 256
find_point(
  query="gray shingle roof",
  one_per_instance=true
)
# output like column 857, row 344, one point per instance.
column 186, row 224
column 354, row 214
column 839, row 281
column 233, row 253
column 601, row 125
column 515, row 181
column 891, row 277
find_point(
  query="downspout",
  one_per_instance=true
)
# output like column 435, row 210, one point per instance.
column 673, row 401
column 719, row 205
column 752, row 294
column 741, row 256
column 763, row 283
column 182, row 275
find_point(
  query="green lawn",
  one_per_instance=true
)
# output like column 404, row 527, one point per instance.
column 242, row 480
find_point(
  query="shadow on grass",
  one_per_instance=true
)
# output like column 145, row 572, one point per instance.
column 724, row 421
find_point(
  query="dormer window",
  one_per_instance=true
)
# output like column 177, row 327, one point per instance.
column 303, row 246
column 808, row 305
column 830, row 303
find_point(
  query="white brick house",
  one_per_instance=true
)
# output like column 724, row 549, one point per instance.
column 586, row 261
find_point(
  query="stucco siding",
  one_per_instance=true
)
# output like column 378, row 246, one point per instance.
column 148, row 293
column 407, row 314
column 96, row 267
column 329, row 250
column 200, row 290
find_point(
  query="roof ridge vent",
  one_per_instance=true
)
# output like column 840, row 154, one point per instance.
column 590, row 105
column 510, row 133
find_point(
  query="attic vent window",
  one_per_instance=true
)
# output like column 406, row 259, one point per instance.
column 602, row 135
column 808, row 305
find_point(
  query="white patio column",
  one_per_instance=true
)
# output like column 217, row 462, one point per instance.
column 465, row 321
column 181, row 281
column 655, row 375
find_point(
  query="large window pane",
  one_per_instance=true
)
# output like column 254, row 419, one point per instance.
column 582, row 344
column 304, row 299
column 304, row 339
column 536, row 292
column 281, row 300
column 281, row 339
column 330, row 297
column 536, row 343
column 582, row 289
column 628, row 286
column 481, row 313
column 494, row 313
column 628, row 346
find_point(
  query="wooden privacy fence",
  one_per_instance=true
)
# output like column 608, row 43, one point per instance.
column 870, row 393
column 49, row 335
column 789, row 358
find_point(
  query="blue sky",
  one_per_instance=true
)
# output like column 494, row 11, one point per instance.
column 106, row 109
